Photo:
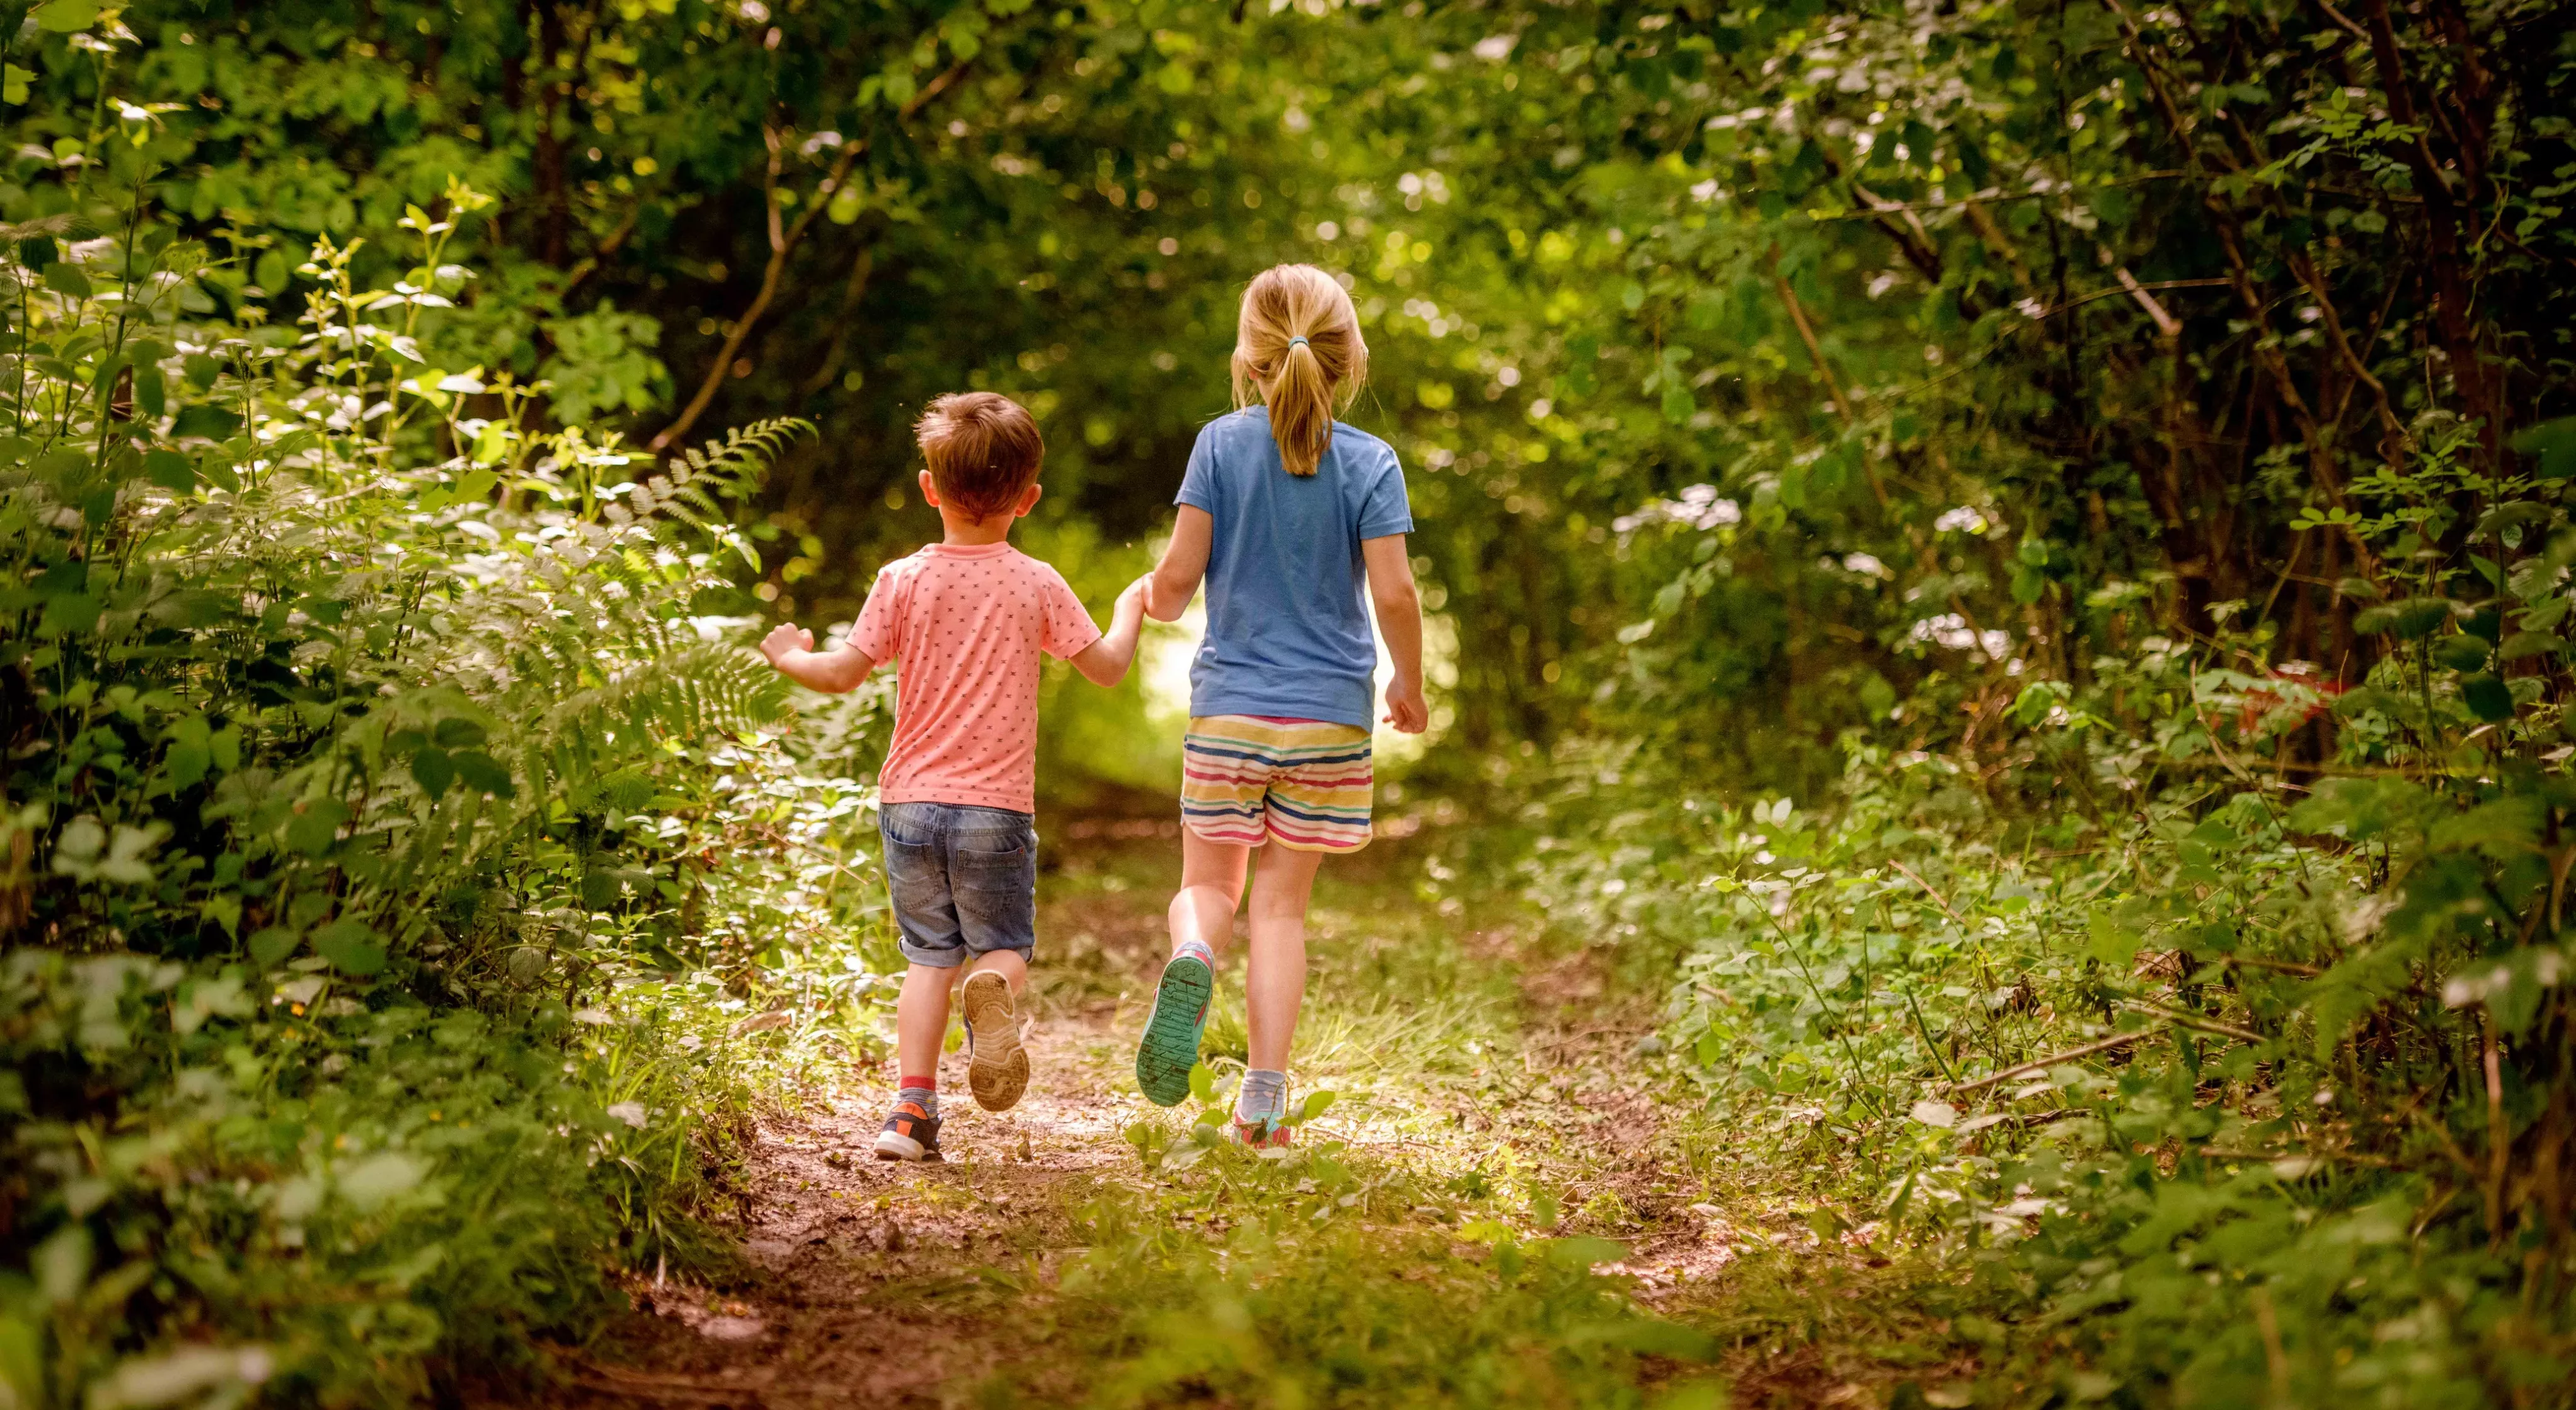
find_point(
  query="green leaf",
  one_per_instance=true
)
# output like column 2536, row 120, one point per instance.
column 1202, row 1082
column 13, row 87
column 457, row 734
column 170, row 470
column 66, row 16
column 2552, row 446
column 433, row 770
column 66, row 278
column 205, row 419
column 1315, row 1104
column 2409, row 620
column 2461, row 653
column 483, row 773
column 2522, row 644
column 2488, row 697
column 270, row 946
column 316, row 825
column 352, row 946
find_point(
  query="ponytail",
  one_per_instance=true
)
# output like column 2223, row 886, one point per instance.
column 1297, row 347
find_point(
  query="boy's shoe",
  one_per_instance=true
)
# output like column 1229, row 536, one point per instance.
column 1262, row 1134
column 1171, row 1044
column 997, row 1067
column 910, row 1134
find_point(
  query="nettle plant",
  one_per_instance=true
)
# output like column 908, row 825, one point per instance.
column 382, row 762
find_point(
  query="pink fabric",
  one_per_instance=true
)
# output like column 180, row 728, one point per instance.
column 966, row 626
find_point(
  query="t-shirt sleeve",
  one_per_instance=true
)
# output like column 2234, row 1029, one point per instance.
column 879, row 630
column 1067, row 629
column 1385, row 510
column 1198, row 483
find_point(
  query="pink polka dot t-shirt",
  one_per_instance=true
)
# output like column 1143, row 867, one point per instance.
column 966, row 625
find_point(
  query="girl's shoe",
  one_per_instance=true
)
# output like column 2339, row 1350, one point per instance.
column 997, row 1067
column 1171, row 1044
column 910, row 1134
column 1263, row 1134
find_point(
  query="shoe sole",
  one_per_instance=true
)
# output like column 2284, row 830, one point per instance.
column 1170, row 1047
column 999, row 1071
column 894, row 1145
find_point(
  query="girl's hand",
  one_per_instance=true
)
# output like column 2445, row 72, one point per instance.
column 1404, row 707
column 1134, row 598
column 783, row 638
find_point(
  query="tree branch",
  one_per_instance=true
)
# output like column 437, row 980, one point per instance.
column 783, row 240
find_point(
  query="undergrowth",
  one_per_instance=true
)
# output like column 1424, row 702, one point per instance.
column 410, row 882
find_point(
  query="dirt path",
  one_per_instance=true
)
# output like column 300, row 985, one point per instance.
column 1487, row 1095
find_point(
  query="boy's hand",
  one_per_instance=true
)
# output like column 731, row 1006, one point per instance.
column 1404, row 706
column 783, row 638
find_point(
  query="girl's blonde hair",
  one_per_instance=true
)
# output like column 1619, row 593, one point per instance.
column 1297, row 346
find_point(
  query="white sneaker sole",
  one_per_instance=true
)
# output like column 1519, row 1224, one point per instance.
column 894, row 1145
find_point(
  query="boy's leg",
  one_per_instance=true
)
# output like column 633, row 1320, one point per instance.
column 911, row 1130
column 1202, row 915
column 998, row 1073
column 993, row 861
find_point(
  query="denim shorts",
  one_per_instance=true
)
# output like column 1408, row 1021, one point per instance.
column 964, row 880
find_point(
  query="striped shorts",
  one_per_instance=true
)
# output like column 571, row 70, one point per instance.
column 1304, row 784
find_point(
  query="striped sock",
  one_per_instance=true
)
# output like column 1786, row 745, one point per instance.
column 1197, row 950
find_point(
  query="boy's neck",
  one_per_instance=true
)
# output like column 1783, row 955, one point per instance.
column 964, row 531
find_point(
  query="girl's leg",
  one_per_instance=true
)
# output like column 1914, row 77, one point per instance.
column 1276, row 986
column 1202, row 916
column 1211, row 884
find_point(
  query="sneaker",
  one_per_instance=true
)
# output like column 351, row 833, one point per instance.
column 997, row 1067
column 910, row 1134
column 1266, row 1133
column 1171, row 1044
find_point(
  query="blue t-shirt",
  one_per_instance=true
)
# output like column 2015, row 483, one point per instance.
column 1288, row 623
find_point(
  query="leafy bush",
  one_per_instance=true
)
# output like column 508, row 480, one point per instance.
column 406, row 894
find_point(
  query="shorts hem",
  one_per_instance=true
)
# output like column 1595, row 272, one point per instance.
column 957, row 956
column 1330, row 848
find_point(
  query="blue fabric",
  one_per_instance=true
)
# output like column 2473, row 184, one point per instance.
column 964, row 880
column 1288, row 622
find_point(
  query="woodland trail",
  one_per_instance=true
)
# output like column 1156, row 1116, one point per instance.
column 1486, row 1091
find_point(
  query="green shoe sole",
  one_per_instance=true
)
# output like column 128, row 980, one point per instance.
column 1171, row 1043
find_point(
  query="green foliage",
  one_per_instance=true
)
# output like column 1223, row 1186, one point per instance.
column 407, row 893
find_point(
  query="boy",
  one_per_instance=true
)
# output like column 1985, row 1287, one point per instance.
column 967, row 617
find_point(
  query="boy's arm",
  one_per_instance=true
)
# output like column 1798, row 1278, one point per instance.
column 835, row 672
column 1399, row 620
column 1105, row 662
column 1175, row 580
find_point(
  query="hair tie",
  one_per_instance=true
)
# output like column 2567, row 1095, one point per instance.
column 1297, row 342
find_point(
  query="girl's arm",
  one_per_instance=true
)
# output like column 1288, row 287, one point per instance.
column 1104, row 662
column 834, row 672
column 1399, row 620
column 1175, row 580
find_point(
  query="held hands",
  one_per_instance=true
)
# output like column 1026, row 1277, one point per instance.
column 1404, row 707
column 1133, row 598
column 783, row 638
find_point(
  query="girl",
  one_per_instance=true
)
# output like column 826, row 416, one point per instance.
column 1287, row 514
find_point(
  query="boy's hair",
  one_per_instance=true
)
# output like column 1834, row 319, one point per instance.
column 983, row 450
column 1297, row 344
